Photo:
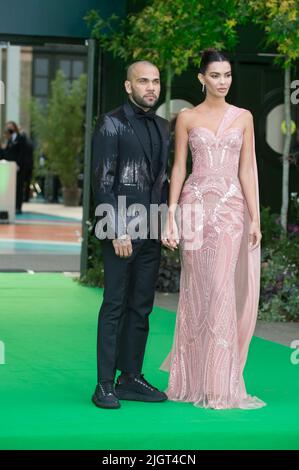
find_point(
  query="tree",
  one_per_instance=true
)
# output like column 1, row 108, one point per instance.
column 280, row 22
column 170, row 34
column 59, row 129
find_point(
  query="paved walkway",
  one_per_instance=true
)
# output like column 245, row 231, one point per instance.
column 44, row 238
column 37, row 232
column 53, row 209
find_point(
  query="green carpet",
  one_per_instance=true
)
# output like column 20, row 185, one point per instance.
column 48, row 326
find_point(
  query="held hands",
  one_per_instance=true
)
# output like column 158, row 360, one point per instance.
column 170, row 236
column 255, row 235
column 123, row 246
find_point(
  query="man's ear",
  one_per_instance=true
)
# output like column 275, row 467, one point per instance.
column 128, row 86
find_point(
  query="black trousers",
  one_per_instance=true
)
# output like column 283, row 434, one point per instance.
column 129, row 290
column 27, row 181
column 19, row 190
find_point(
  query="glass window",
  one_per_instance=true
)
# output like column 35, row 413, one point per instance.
column 78, row 68
column 41, row 67
column 65, row 66
column 40, row 86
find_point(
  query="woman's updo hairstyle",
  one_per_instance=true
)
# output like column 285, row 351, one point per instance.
column 211, row 55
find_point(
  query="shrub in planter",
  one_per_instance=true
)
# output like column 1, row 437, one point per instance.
column 279, row 296
column 94, row 276
column 59, row 131
column 169, row 272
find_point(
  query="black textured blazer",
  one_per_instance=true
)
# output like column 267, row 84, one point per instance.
column 121, row 165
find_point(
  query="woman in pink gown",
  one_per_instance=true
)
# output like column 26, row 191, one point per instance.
column 219, row 287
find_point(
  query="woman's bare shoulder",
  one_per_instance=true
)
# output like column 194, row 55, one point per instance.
column 186, row 115
column 246, row 114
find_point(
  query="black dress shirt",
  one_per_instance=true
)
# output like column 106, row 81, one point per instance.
column 152, row 138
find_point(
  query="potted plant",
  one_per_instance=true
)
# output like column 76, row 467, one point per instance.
column 59, row 131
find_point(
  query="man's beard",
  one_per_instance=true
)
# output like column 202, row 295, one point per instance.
column 141, row 102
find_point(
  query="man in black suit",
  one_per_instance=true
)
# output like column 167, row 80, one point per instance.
column 130, row 153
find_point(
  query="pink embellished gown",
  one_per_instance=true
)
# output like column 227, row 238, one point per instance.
column 219, row 286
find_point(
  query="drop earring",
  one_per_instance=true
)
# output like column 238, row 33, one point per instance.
column 203, row 87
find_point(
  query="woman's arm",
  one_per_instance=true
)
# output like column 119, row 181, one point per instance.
column 247, row 180
column 177, row 178
column 178, row 172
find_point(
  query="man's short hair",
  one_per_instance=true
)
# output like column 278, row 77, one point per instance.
column 131, row 67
